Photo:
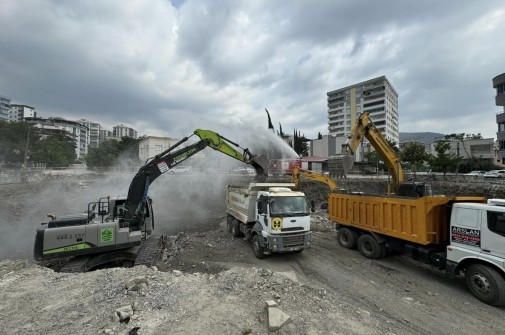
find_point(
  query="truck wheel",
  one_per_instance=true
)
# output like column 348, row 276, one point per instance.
column 486, row 284
column 346, row 238
column 235, row 228
column 258, row 249
column 369, row 247
column 229, row 221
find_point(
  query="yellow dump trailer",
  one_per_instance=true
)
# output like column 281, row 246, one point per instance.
column 422, row 220
column 458, row 235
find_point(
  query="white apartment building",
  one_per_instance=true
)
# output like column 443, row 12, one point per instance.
column 123, row 131
column 5, row 106
column 482, row 148
column 375, row 96
column 154, row 145
column 77, row 131
column 18, row 113
column 93, row 133
column 105, row 135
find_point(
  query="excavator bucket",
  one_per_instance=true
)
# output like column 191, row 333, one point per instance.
column 340, row 165
column 260, row 164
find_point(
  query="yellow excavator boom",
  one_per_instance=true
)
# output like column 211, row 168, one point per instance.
column 297, row 173
column 365, row 128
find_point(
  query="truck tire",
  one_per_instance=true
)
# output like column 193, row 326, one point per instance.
column 486, row 284
column 258, row 248
column 235, row 228
column 346, row 238
column 369, row 247
column 229, row 221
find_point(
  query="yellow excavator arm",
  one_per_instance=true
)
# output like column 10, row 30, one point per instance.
column 297, row 173
column 364, row 128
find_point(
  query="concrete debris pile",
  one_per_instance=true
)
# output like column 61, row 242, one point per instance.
column 140, row 300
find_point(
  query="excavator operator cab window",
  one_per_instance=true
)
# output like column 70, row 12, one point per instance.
column 119, row 211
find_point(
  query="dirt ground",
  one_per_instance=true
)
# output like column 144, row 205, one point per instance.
column 208, row 282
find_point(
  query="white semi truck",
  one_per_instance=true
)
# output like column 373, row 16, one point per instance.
column 272, row 215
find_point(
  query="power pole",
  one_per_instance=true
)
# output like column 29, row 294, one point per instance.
column 26, row 148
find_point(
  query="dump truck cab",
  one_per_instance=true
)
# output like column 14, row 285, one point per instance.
column 272, row 215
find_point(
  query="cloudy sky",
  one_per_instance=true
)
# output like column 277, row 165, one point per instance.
column 168, row 67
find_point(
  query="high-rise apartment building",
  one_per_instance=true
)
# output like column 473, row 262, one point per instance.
column 375, row 96
column 499, row 85
column 5, row 106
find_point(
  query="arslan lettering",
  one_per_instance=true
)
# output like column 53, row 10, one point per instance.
column 465, row 236
column 461, row 230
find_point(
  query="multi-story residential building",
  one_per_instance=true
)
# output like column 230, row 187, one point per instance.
column 18, row 113
column 154, row 145
column 94, row 132
column 105, row 135
column 5, row 106
column 121, row 131
column 375, row 96
column 77, row 131
column 482, row 148
column 499, row 85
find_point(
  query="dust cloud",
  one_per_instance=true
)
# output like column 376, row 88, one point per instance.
column 181, row 201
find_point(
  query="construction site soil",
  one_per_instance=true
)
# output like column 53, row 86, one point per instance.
column 207, row 282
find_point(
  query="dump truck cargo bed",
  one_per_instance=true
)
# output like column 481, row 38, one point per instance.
column 422, row 220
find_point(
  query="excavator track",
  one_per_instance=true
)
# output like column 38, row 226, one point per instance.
column 75, row 265
column 148, row 251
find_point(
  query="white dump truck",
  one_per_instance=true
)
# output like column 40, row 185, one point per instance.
column 272, row 215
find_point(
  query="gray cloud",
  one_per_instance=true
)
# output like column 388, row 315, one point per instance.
column 166, row 68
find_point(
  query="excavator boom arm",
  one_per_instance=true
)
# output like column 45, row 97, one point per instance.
column 137, row 193
column 297, row 173
column 364, row 127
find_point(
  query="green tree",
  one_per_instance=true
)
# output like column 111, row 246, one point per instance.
column 319, row 136
column 55, row 151
column 414, row 154
column 103, row 156
column 113, row 152
column 16, row 140
column 443, row 161
column 374, row 159
column 300, row 144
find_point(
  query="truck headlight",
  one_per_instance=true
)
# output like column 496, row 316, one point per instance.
column 274, row 240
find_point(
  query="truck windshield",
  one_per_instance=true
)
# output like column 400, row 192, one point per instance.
column 288, row 206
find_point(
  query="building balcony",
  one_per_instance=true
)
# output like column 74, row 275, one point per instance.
column 499, row 85
column 500, row 99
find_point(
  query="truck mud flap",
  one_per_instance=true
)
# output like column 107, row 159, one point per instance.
column 149, row 251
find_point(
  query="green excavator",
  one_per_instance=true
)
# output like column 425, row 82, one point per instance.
column 120, row 230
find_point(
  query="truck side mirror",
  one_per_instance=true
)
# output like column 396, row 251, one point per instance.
column 312, row 205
